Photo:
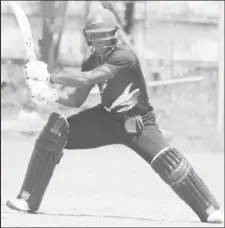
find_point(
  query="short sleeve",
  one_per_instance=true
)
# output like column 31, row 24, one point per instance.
column 120, row 61
column 89, row 63
column 84, row 66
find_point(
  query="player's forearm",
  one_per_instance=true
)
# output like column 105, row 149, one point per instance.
column 74, row 99
column 82, row 79
column 71, row 79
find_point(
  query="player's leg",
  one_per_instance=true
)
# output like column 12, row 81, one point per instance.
column 176, row 171
column 94, row 128
column 46, row 155
column 88, row 129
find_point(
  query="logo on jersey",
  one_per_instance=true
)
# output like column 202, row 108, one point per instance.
column 127, row 100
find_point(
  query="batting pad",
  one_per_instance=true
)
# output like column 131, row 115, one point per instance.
column 177, row 172
column 46, row 155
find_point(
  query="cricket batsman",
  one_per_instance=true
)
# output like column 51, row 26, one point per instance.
column 124, row 116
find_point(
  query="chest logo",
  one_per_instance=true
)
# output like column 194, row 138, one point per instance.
column 127, row 100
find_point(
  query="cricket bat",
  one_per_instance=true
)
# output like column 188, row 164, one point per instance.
column 28, row 41
column 25, row 30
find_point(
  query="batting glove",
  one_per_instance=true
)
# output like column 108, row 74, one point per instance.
column 37, row 70
column 41, row 92
column 37, row 78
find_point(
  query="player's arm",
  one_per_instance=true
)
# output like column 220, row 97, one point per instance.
column 115, row 66
column 88, row 79
column 75, row 98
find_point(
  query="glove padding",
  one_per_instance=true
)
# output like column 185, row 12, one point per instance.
column 37, row 78
column 41, row 92
column 37, row 70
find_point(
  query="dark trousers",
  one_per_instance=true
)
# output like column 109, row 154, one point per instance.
column 95, row 127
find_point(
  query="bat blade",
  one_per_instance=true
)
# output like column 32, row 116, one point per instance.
column 25, row 30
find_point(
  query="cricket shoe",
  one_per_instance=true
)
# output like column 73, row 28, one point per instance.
column 18, row 205
column 215, row 217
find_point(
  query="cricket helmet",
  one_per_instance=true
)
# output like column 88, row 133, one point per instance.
column 100, row 30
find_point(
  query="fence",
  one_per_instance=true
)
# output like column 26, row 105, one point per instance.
column 187, row 110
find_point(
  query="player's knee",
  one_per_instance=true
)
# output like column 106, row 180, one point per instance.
column 72, row 137
column 54, row 135
column 171, row 165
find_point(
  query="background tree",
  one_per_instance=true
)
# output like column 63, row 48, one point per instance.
column 129, row 16
column 53, row 13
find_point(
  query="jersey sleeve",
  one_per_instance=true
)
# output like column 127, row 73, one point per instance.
column 121, row 61
column 83, row 66
column 88, row 63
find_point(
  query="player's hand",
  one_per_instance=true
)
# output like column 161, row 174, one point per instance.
column 37, row 70
column 37, row 78
column 41, row 92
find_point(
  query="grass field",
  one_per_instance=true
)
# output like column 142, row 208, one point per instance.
column 109, row 186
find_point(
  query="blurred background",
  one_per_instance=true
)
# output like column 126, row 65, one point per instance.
column 180, row 45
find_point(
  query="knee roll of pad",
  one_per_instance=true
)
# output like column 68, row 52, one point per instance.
column 55, row 131
column 53, row 137
column 177, row 172
column 172, row 167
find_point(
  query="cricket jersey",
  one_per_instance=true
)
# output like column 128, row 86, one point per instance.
column 125, row 94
